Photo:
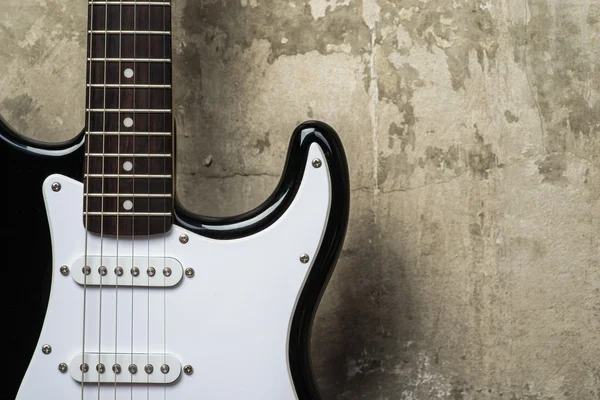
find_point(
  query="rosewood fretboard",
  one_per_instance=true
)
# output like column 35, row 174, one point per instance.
column 129, row 164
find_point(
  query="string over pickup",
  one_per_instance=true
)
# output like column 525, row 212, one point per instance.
column 127, row 271
column 129, row 368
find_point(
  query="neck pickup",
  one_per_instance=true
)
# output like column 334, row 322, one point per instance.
column 125, row 368
column 141, row 271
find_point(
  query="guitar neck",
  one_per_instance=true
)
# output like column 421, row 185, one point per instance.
column 129, row 122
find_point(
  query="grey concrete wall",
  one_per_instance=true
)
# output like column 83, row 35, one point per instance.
column 472, row 264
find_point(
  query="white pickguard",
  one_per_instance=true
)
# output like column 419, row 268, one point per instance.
column 230, row 321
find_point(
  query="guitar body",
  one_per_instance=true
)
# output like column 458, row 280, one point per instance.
column 227, row 312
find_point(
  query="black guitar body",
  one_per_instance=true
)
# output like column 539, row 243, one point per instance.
column 26, row 243
column 25, row 238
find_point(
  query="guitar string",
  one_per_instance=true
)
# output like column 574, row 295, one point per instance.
column 149, row 105
column 118, row 202
column 164, row 102
column 104, row 105
column 87, row 185
column 133, row 184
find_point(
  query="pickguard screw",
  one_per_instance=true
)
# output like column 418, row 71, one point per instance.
column 86, row 270
column 189, row 272
column 100, row 368
column 46, row 349
column 118, row 271
column 184, row 239
column 116, row 368
column 317, row 163
column 62, row 367
column 149, row 368
column 56, row 187
column 167, row 271
column 151, row 271
column 132, row 368
column 64, row 270
column 84, row 367
column 135, row 271
column 165, row 369
column 102, row 271
column 188, row 369
column 304, row 258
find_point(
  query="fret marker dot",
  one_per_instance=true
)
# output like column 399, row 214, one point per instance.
column 128, row 122
column 128, row 73
column 128, row 205
column 127, row 166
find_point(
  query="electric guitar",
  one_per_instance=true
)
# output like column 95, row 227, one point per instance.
column 129, row 295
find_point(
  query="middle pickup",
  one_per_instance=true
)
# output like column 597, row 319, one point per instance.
column 127, row 271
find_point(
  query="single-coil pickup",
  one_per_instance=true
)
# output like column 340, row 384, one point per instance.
column 127, row 368
column 127, row 271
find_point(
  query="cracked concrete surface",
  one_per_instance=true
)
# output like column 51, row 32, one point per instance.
column 472, row 264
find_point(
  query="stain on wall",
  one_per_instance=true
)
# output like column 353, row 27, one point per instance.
column 471, row 268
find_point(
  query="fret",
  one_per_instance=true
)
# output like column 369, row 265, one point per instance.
column 131, row 145
column 145, row 170
column 124, row 32
column 130, row 133
column 128, row 185
column 126, row 155
column 125, row 213
column 140, row 99
column 132, row 176
column 114, row 204
column 128, row 195
column 110, row 110
column 129, row 86
column 142, row 122
column 130, row 165
column 145, row 73
column 130, row 3
column 130, row 59
column 129, row 46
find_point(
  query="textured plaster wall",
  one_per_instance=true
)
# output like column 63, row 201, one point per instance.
column 471, row 268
